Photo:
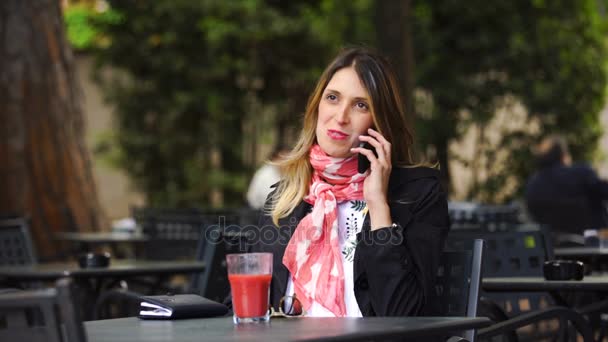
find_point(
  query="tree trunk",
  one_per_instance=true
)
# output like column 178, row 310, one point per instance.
column 45, row 172
column 393, row 35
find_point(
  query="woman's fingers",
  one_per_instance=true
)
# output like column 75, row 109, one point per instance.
column 375, row 144
column 386, row 145
column 366, row 152
column 380, row 144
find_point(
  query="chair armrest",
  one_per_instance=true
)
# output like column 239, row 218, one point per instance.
column 593, row 307
column 560, row 312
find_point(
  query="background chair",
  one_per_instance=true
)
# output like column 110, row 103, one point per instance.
column 518, row 253
column 490, row 217
column 41, row 315
column 173, row 233
column 510, row 254
column 458, row 283
column 16, row 246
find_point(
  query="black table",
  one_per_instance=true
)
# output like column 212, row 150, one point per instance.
column 558, row 289
column 102, row 237
column 594, row 257
column 581, row 252
column 93, row 281
column 87, row 242
column 540, row 284
column 117, row 268
column 299, row 329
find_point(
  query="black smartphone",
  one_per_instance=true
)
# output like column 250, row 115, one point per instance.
column 363, row 162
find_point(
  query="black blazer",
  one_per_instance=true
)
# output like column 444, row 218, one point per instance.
column 394, row 274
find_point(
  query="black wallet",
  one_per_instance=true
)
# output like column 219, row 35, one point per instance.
column 179, row 306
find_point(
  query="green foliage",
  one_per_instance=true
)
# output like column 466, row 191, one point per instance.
column 199, row 71
column 194, row 69
column 81, row 30
column 472, row 57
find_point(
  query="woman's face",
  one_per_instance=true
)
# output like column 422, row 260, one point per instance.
column 344, row 114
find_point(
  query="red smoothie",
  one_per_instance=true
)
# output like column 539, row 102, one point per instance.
column 249, row 294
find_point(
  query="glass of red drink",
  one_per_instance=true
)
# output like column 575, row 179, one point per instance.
column 249, row 275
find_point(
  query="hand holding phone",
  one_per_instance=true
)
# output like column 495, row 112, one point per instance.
column 363, row 162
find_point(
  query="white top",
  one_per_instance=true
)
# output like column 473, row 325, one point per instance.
column 259, row 188
column 350, row 221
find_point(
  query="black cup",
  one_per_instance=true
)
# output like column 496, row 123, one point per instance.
column 563, row 270
column 94, row 260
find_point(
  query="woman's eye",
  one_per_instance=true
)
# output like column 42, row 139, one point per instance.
column 331, row 97
column 362, row 105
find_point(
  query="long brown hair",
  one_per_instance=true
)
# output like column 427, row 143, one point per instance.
column 389, row 118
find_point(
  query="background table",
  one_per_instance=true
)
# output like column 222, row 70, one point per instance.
column 92, row 282
column 102, row 237
column 117, row 268
column 564, row 292
column 300, row 329
column 88, row 242
column 581, row 251
column 540, row 284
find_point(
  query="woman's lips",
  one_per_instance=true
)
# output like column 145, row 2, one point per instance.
column 336, row 135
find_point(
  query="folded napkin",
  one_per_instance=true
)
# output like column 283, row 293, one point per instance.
column 179, row 306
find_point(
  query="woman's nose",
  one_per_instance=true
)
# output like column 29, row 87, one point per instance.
column 342, row 116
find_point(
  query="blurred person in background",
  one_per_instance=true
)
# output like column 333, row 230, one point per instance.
column 567, row 197
column 350, row 243
column 263, row 179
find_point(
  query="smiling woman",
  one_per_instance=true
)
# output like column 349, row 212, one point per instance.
column 344, row 114
column 358, row 243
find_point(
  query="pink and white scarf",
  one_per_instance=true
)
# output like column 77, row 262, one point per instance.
column 312, row 255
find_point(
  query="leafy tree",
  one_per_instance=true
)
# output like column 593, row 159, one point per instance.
column 199, row 72
column 209, row 80
column 471, row 57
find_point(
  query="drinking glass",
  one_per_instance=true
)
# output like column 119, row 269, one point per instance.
column 249, row 275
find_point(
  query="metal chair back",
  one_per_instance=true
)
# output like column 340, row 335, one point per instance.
column 511, row 253
column 48, row 315
column 224, row 233
column 16, row 246
column 173, row 233
column 458, row 283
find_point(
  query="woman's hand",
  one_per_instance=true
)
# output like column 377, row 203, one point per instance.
column 375, row 186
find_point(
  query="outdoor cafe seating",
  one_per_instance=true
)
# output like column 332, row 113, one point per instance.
column 460, row 279
column 44, row 315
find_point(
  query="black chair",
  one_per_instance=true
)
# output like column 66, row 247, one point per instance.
column 458, row 283
column 511, row 253
column 490, row 217
column 16, row 243
column 173, row 233
column 48, row 315
column 517, row 253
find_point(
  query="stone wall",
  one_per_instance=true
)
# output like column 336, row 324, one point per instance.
column 116, row 194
